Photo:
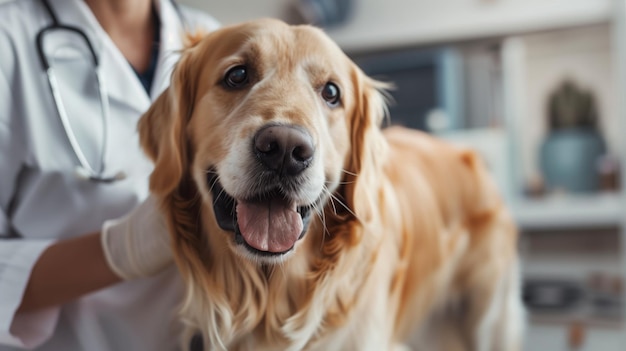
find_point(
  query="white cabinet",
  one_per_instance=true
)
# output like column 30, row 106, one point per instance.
column 534, row 63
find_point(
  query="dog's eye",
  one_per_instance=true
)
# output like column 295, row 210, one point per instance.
column 331, row 94
column 236, row 77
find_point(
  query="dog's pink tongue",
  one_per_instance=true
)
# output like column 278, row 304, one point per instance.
column 272, row 226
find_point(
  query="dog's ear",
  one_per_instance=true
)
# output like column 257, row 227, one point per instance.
column 162, row 129
column 163, row 136
column 368, row 146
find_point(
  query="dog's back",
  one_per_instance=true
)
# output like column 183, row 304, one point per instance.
column 457, row 274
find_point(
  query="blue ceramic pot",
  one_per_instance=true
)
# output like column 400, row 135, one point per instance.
column 569, row 159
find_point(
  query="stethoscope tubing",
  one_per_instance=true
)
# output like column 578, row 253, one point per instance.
column 84, row 170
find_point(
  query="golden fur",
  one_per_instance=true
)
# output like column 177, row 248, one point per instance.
column 414, row 241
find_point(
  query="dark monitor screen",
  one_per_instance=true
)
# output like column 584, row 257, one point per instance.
column 415, row 76
column 414, row 96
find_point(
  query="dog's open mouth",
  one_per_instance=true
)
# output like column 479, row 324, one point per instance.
column 267, row 224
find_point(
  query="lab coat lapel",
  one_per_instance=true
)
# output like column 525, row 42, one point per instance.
column 120, row 81
column 172, row 31
column 122, row 85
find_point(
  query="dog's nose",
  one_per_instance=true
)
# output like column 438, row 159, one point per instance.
column 285, row 149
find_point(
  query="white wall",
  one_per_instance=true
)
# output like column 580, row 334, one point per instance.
column 381, row 24
column 401, row 22
column 234, row 11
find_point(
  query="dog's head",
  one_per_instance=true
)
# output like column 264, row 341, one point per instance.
column 265, row 124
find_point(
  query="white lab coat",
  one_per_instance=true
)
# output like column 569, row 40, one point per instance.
column 41, row 198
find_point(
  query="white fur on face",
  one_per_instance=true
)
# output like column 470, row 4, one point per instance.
column 238, row 170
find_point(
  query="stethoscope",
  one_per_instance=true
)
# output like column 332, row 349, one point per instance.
column 84, row 170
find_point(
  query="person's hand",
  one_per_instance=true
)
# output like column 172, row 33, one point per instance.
column 137, row 245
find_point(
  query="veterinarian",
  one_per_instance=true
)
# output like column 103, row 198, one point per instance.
column 85, row 262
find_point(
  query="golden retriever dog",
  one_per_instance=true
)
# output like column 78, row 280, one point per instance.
column 298, row 223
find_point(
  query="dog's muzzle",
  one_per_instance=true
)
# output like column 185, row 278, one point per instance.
column 269, row 221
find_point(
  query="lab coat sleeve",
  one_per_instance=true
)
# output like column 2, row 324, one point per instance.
column 17, row 255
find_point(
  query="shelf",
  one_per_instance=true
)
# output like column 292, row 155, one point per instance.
column 565, row 320
column 569, row 211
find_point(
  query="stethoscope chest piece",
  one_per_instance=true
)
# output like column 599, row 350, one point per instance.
column 87, row 174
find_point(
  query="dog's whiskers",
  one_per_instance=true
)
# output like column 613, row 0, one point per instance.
column 349, row 173
column 213, row 183
column 330, row 195
column 335, row 198
column 319, row 212
column 222, row 192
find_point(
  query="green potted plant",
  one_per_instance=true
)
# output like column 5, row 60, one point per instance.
column 574, row 145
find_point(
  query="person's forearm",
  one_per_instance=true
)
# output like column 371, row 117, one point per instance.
column 67, row 270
